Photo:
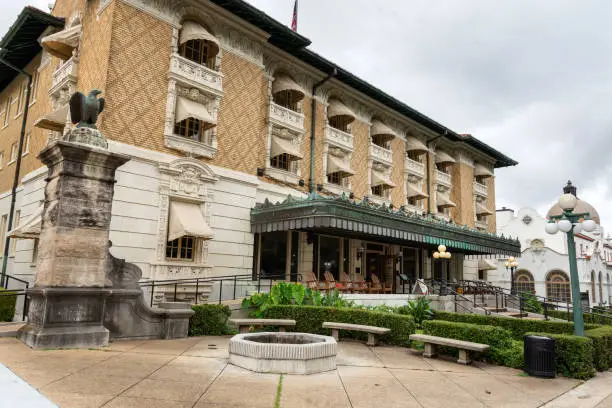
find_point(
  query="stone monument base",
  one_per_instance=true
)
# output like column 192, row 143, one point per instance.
column 65, row 317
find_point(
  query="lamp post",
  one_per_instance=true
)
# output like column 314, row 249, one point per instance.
column 441, row 253
column 572, row 223
column 512, row 265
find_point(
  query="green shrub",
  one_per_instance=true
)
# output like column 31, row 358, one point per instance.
column 309, row 319
column 518, row 327
column 512, row 356
column 419, row 310
column 602, row 347
column 574, row 355
column 7, row 305
column 210, row 320
column 531, row 303
column 587, row 317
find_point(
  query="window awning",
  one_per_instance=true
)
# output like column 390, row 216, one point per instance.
column 281, row 145
column 482, row 210
column 187, row 220
column 194, row 31
column 415, row 145
column 285, row 83
column 338, row 109
column 55, row 120
column 382, row 131
column 342, row 216
column 443, row 157
column 379, row 178
column 415, row 192
column 338, row 165
column 444, row 202
column 186, row 108
column 62, row 43
column 485, row 265
column 30, row 228
column 482, row 171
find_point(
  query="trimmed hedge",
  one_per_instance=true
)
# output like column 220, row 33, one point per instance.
column 587, row 317
column 210, row 320
column 7, row 305
column 309, row 319
column 602, row 347
column 574, row 355
column 504, row 350
column 518, row 327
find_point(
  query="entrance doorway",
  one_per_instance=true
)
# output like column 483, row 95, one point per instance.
column 375, row 264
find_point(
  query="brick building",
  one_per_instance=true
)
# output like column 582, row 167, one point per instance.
column 225, row 112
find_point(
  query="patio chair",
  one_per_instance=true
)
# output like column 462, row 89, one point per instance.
column 346, row 281
column 313, row 283
column 331, row 283
column 379, row 287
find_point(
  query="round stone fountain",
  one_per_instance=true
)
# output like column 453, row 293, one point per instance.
column 286, row 353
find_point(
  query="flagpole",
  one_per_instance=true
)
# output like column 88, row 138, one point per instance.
column 294, row 19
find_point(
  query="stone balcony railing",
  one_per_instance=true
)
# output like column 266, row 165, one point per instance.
column 196, row 75
column 339, row 138
column 287, row 118
column 64, row 73
column 381, row 155
column 414, row 167
column 481, row 190
column 443, row 179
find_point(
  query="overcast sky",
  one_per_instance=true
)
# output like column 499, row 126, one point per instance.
column 531, row 78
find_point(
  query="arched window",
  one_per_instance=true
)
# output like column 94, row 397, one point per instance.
column 558, row 287
column 601, row 297
column 198, row 45
column 340, row 116
column 286, row 93
column 593, row 289
column 523, row 281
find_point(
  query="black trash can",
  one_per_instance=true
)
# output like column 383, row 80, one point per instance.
column 540, row 357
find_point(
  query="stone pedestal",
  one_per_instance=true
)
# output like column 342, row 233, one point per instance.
column 68, row 298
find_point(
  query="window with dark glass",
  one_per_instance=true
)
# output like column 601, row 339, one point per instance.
column 378, row 191
column 414, row 201
column 334, row 178
column 180, row 248
column 288, row 99
column 273, row 261
column 340, row 123
column 443, row 167
column 382, row 141
column 329, row 256
column 281, row 161
column 416, row 156
column 189, row 128
column 410, row 266
column 198, row 51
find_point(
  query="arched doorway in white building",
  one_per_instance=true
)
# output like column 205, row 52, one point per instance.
column 524, row 282
column 558, row 286
column 601, row 292
column 593, row 288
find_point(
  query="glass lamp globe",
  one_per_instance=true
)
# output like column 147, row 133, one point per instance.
column 436, row 255
column 507, row 264
column 589, row 225
column 511, row 259
column 448, row 255
column 578, row 228
column 568, row 201
column 514, row 264
column 441, row 248
column 564, row 225
column 551, row 227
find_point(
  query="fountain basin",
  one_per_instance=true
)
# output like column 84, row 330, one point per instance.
column 283, row 353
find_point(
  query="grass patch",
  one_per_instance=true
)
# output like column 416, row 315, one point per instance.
column 279, row 390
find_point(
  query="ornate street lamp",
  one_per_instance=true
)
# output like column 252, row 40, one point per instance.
column 442, row 254
column 571, row 223
column 511, row 264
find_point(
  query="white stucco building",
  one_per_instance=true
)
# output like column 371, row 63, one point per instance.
column 544, row 261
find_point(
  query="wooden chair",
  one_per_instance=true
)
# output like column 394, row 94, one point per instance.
column 313, row 283
column 331, row 283
column 346, row 281
column 378, row 287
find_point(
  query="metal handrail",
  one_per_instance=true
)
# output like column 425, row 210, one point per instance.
column 446, row 289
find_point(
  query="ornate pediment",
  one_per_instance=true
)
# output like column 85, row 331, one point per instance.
column 186, row 177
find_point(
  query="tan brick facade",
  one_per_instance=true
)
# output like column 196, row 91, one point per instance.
column 126, row 53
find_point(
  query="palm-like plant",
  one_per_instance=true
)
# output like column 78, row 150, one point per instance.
column 420, row 310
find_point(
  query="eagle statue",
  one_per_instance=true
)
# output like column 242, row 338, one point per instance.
column 84, row 110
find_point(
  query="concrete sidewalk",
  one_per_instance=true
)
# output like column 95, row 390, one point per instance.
column 194, row 372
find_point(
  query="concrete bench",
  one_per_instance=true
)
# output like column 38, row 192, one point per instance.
column 465, row 347
column 244, row 324
column 371, row 330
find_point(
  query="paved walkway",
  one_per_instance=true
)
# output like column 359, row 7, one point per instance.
column 194, row 373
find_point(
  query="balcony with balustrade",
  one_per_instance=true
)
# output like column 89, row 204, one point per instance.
column 195, row 75
column 381, row 155
column 64, row 77
column 481, row 190
column 338, row 138
column 444, row 179
column 286, row 118
column 414, row 168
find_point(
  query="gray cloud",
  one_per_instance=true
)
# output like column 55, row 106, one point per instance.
column 531, row 78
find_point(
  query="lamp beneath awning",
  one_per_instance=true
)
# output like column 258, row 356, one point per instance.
column 62, row 43
column 187, row 220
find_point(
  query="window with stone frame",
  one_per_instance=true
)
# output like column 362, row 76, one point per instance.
column 558, row 287
column 382, row 141
column 281, row 161
column 199, row 51
column 21, row 98
column 189, row 128
column 340, row 123
column 288, row 99
column 416, row 156
column 415, row 202
column 13, row 152
column 444, row 167
column 378, row 191
column 7, row 112
column 523, row 282
column 182, row 249
column 34, row 87
column 1, row 160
